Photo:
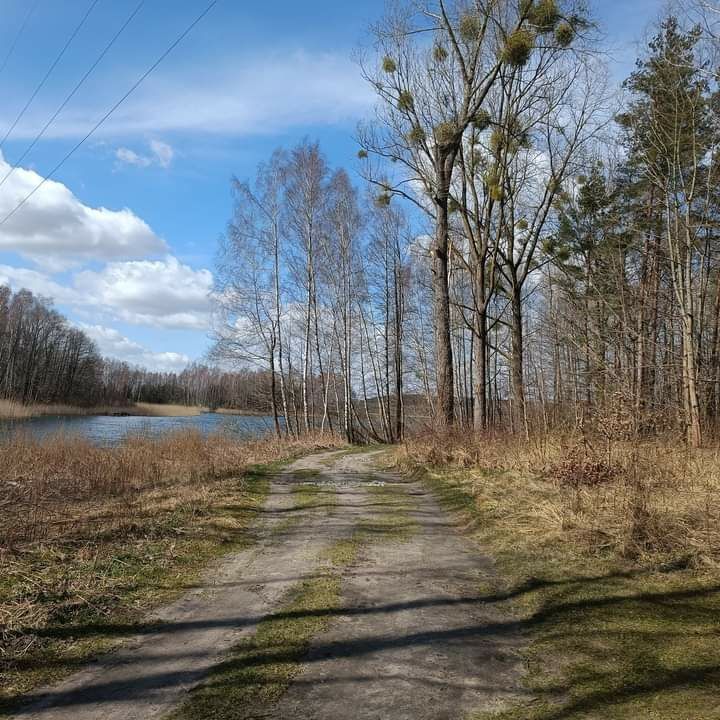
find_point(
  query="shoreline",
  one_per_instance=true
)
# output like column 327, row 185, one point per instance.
column 10, row 410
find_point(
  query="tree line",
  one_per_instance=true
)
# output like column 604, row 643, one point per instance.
column 524, row 251
column 44, row 359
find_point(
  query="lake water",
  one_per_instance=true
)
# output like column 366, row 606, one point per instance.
column 106, row 430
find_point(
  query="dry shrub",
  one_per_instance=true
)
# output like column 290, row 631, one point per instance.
column 487, row 452
column 579, row 469
column 648, row 501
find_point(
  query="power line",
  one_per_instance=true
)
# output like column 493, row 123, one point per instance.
column 18, row 35
column 50, row 71
column 140, row 80
column 72, row 93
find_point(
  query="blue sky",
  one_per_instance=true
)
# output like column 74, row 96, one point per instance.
column 125, row 239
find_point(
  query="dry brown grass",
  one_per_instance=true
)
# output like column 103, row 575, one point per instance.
column 246, row 413
column 607, row 554
column 91, row 537
column 12, row 410
column 158, row 410
column 60, row 486
column 646, row 501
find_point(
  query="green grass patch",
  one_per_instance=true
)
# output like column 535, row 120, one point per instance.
column 313, row 495
column 305, row 473
column 608, row 638
column 351, row 450
column 307, row 496
column 258, row 670
column 345, row 552
column 391, row 524
column 393, row 521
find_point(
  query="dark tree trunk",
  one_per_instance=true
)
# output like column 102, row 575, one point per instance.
column 480, row 408
column 516, row 363
column 441, row 296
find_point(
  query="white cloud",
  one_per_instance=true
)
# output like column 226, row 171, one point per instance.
column 54, row 229
column 161, row 154
column 114, row 344
column 130, row 157
column 110, row 342
column 37, row 282
column 163, row 293
column 243, row 95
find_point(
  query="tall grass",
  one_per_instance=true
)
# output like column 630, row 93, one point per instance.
column 646, row 501
column 55, row 487
column 606, row 554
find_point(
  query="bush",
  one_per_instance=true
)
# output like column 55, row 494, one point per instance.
column 497, row 193
column 481, row 121
column 416, row 135
column 497, row 141
column 470, row 28
column 564, row 34
column 649, row 502
column 445, row 133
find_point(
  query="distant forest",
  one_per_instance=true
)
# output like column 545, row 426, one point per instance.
column 44, row 359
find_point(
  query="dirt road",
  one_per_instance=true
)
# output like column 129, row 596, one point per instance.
column 411, row 638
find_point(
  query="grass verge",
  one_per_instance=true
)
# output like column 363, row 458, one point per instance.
column 85, row 585
column 390, row 525
column 611, row 636
column 307, row 496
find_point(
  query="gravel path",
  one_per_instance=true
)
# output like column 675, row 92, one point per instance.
column 414, row 642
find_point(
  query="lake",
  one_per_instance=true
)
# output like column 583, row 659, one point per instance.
column 110, row 430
